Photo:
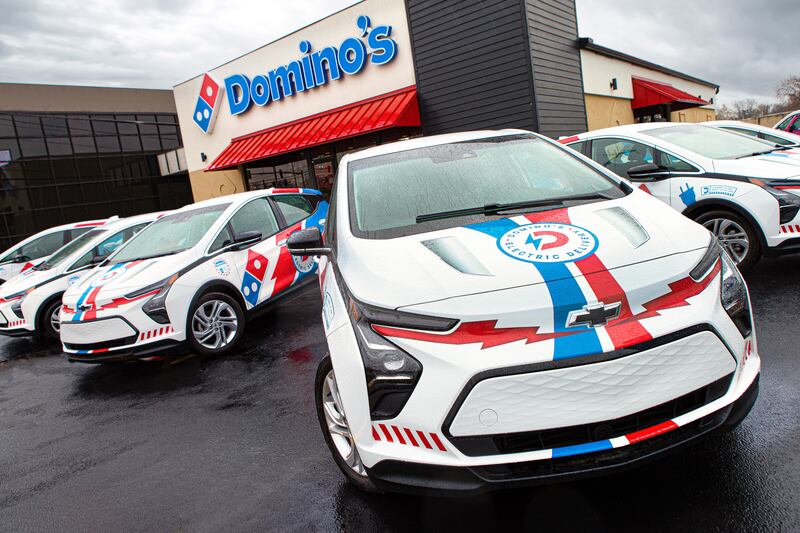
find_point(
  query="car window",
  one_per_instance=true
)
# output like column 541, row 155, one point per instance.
column 778, row 140
column 223, row 239
column 709, row 142
column 794, row 126
column 172, row 234
column 77, row 232
column 293, row 207
column 751, row 133
column 37, row 248
column 579, row 146
column 66, row 251
column 620, row 155
column 674, row 163
column 784, row 123
column 255, row 215
column 108, row 246
column 389, row 192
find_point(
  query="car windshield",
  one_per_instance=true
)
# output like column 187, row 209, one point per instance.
column 396, row 194
column 171, row 234
column 63, row 253
column 710, row 142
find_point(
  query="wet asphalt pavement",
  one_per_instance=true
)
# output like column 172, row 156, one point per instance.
column 233, row 445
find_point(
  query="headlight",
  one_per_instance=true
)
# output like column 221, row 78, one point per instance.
column 391, row 373
column 708, row 261
column 733, row 295
column 16, row 307
column 156, row 306
column 788, row 203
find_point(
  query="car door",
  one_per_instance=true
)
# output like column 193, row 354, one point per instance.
column 619, row 155
column 297, row 212
column 255, row 264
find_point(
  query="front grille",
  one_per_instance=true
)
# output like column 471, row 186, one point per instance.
column 99, row 345
column 568, row 436
column 604, row 459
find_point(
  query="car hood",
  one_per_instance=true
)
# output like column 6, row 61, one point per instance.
column 514, row 252
column 122, row 278
column 777, row 165
column 26, row 280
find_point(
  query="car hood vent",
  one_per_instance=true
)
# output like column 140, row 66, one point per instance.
column 626, row 224
column 454, row 253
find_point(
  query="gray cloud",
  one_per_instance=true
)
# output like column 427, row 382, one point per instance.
column 746, row 46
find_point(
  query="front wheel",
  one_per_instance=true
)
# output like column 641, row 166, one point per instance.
column 50, row 321
column 735, row 235
column 336, row 430
column 216, row 324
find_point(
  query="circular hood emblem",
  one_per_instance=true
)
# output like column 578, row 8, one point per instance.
column 548, row 242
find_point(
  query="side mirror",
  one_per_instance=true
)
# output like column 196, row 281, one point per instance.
column 647, row 172
column 21, row 259
column 307, row 242
column 247, row 237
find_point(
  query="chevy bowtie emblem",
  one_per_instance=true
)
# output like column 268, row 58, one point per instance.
column 85, row 307
column 594, row 315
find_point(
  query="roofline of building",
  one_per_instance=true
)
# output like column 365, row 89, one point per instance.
column 587, row 43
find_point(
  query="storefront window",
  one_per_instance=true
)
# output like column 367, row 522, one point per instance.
column 292, row 174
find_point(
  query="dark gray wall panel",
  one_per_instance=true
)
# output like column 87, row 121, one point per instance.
column 473, row 66
column 556, row 59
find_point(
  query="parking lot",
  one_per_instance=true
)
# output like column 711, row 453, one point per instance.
column 233, row 444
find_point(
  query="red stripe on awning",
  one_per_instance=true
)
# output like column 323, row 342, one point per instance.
column 648, row 93
column 391, row 110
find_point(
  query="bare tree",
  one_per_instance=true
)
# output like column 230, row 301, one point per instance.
column 745, row 108
column 788, row 92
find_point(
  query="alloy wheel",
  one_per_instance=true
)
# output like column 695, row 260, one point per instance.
column 55, row 319
column 731, row 236
column 214, row 324
column 337, row 425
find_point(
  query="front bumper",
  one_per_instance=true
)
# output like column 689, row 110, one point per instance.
column 155, row 349
column 401, row 476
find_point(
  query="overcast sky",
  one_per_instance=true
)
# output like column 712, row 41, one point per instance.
column 746, row 46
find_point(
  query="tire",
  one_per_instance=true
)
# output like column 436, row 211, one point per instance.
column 724, row 223
column 49, row 327
column 326, row 398
column 224, row 315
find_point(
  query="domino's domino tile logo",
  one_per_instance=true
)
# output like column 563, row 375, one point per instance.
column 253, row 277
column 303, row 264
column 548, row 242
column 72, row 280
column 205, row 112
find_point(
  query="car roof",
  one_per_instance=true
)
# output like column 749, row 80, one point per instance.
column 629, row 129
column 244, row 196
column 433, row 140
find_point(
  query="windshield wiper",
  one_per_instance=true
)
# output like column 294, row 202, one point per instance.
column 765, row 152
column 494, row 209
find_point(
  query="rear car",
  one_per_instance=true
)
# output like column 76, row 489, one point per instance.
column 192, row 279
column 790, row 123
column 501, row 311
column 38, row 247
column 30, row 303
column 745, row 190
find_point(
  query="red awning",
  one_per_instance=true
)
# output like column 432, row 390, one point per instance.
column 648, row 93
column 390, row 110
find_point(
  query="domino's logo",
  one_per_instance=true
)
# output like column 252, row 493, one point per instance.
column 205, row 112
column 548, row 242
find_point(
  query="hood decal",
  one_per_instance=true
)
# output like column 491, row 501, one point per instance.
column 565, row 293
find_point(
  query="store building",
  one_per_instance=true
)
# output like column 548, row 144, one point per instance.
column 623, row 89
column 382, row 70
column 76, row 153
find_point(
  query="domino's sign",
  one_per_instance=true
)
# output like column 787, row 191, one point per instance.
column 314, row 69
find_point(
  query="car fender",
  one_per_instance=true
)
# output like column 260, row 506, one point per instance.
column 756, row 221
